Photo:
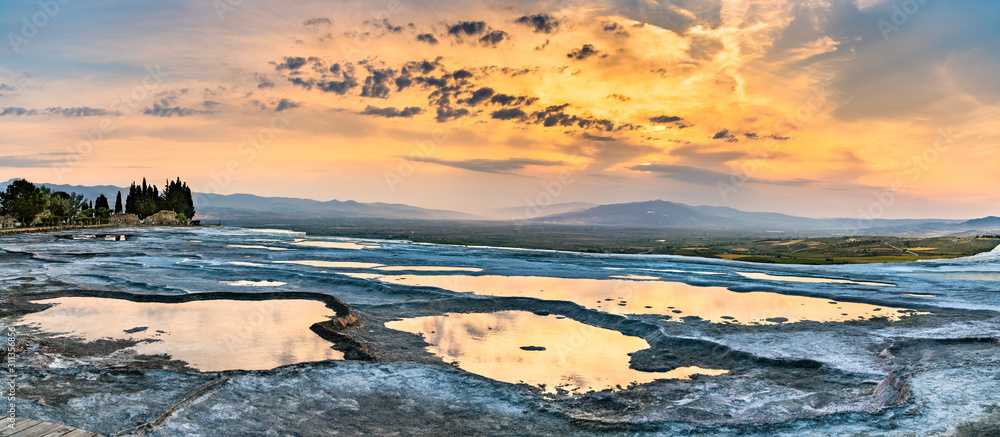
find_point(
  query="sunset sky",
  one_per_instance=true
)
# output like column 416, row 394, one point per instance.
column 810, row 107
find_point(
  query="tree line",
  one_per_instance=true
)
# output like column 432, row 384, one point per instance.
column 29, row 204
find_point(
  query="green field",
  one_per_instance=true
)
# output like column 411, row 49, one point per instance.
column 747, row 246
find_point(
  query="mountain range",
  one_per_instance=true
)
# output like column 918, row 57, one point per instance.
column 656, row 214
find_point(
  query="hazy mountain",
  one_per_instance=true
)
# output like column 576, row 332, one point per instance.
column 227, row 207
column 88, row 192
column 234, row 206
column 991, row 222
column 651, row 214
column 671, row 215
column 522, row 212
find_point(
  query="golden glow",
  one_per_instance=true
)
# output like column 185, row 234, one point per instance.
column 748, row 68
column 674, row 299
column 211, row 336
column 577, row 357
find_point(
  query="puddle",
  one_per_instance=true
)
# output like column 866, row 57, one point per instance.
column 810, row 279
column 254, row 246
column 336, row 245
column 332, row 264
column 254, row 283
column 674, row 299
column 210, row 335
column 429, row 269
column 543, row 351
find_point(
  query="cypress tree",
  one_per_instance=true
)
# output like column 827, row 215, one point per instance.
column 118, row 203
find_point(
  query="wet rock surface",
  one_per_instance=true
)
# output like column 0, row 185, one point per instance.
column 930, row 374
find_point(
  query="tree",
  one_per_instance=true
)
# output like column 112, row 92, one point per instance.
column 22, row 200
column 118, row 203
column 177, row 198
column 63, row 204
column 101, row 202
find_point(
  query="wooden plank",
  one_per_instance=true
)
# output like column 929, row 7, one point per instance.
column 58, row 432
column 34, row 428
column 41, row 429
column 79, row 433
column 19, row 425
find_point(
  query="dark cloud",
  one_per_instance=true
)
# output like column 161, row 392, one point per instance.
column 284, row 104
column 493, row 38
column 508, row 114
column 338, row 86
column 461, row 74
column 377, row 84
column 427, row 38
column 433, row 82
column 208, row 104
column 619, row 97
column 584, row 52
column 598, row 138
column 447, row 113
column 495, row 166
column 755, row 136
column 391, row 112
column 81, row 111
column 263, row 81
column 725, row 135
column 7, row 90
column 555, row 116
column 403, row 83
column 618, row 29
column 304, row 83
column 293, row 63
column 541, row 23
column 663, row 119
column 16, row 110
column 159, row 110
column 479, row 96
column 468, row 28
column 420, row 67
column 318, row 22
column 507, row 100
column 383, row 24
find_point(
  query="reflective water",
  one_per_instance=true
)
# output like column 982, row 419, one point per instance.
column 335, row 244
column 674, row 299
column 544, row 351
column 809, row 279
column 211, row 335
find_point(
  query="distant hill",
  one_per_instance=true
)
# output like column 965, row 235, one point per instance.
column 991, row 222
column 671, row 215
column 651, row 214
column 522, row 212
column 88, row 192
column 233, row 206
column 236, row 206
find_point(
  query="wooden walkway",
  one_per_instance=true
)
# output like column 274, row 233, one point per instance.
column 34, row 428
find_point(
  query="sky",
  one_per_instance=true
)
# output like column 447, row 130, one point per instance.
column 819, row 108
